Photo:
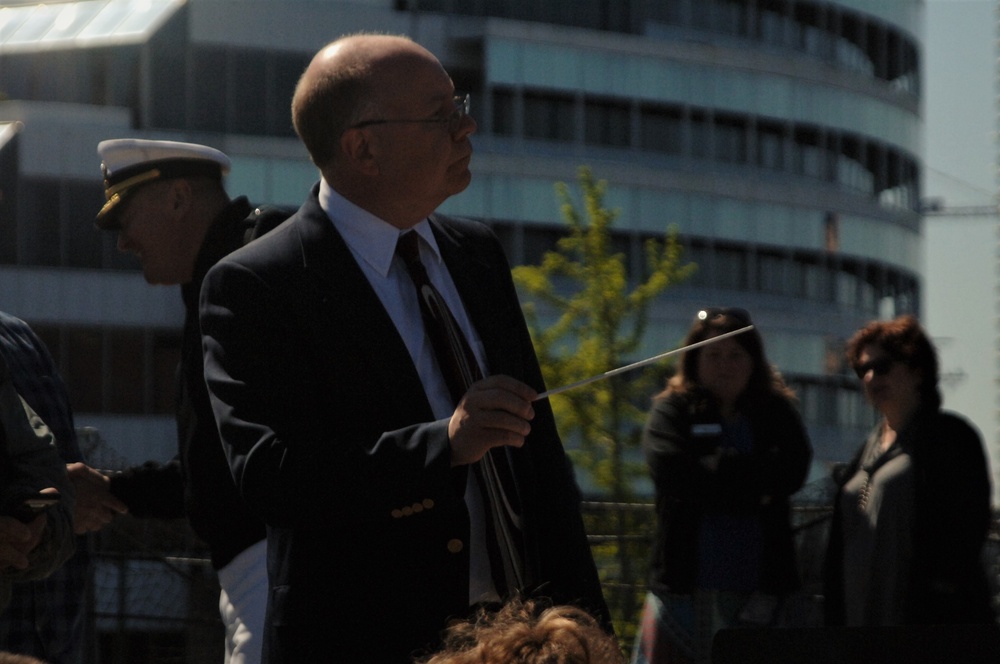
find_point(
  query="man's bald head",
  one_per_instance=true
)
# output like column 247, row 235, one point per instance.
column 347, row 79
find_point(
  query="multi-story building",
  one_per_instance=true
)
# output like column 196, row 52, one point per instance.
column 780, row 137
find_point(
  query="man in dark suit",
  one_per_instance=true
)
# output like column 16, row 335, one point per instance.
column 168, row 205
column 330, row 399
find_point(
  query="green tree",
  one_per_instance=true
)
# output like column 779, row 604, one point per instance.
column 586, row 317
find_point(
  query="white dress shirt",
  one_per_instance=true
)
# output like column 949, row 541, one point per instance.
column 372, row 242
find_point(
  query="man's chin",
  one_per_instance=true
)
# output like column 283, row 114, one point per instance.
column 462, row 182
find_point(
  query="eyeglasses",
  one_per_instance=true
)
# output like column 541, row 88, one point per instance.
column 453, row 120
column 739, row 315
column 878, row 367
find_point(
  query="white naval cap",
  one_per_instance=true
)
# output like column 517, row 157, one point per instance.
column 130, row 162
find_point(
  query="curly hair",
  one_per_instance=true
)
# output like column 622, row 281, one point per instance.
column 14, row 658
column 904, row 340
column 528, row 632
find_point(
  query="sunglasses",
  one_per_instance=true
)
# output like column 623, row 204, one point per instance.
column 711, row 313
column 879, row 367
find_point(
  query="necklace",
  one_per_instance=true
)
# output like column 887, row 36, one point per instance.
column 877, row 457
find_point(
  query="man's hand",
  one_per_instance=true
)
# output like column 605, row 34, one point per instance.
column 96, row 507
column 18, row 540
column 495, row 411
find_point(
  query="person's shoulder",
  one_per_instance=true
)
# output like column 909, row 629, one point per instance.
column 463, row 227
column 10, row 322
column 16, row 332
column 955, row 425
column 269, row 234
column 674, row 402
column 265, row 218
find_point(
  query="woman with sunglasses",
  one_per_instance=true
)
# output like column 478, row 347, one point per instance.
column 913, row 508
column 726, row 448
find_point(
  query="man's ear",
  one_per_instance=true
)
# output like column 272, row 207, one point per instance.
column 181, row 197
column 359, row 151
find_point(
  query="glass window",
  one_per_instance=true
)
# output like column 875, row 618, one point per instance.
column 286, row 68
column 548, row 117
column 245, row 79
column 808, row 153
column 771, row 274
column 674, row 12
column 773, row 25
column 818, row 280
column 730, row 140
column 730, row 268
column 701, row 14
column 657, row 210
column 850, row 47
column 538, row 240
column 731, row 17
column 606, row 123
column 851, row 169
column 8, row 198
column 117, row 79
column 206, row 109
column 795, row 279
column 701, row 256
column 82, row 369
column 503, row 112
column 82, row 242
column 38, row 231
column 770, row 146
column 125, row 388
column 168, row 86
column 701, row 135
column 847, row 289
column 811, row 34
column 662, row 130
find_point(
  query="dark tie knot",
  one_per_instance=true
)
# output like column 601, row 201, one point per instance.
column 408, row 248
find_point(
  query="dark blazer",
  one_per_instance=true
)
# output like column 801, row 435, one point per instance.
column 681, row 431
column 197, row 483
column 948, row 582
column 330, row 437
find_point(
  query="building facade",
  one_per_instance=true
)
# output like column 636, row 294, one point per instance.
column 780, row 137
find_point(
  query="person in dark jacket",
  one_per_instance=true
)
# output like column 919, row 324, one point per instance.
column 46, row 618
column 726, row 448
column 167, row 203
column 388, row 467
column 913, row 508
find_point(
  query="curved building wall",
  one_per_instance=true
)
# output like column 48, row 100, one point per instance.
column 780, row 137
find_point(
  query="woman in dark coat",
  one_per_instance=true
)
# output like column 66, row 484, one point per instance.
column 913, row 509
column 726, row 448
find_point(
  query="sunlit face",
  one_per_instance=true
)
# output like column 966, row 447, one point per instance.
column 425, row 161
column 151, row 228
column 724, row 368
column 888, row 384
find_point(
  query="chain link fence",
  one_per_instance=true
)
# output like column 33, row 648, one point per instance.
column 154, row 596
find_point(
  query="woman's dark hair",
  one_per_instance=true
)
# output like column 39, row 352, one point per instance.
column 905, row 341
column 765, row 381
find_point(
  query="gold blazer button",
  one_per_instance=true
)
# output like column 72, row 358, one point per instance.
column 455, row 546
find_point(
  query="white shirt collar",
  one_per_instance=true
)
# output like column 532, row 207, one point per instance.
column 371, row 238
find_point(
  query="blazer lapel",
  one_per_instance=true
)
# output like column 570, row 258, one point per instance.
column 345, row 301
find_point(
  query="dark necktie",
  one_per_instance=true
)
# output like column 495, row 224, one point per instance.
column 458, row 364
